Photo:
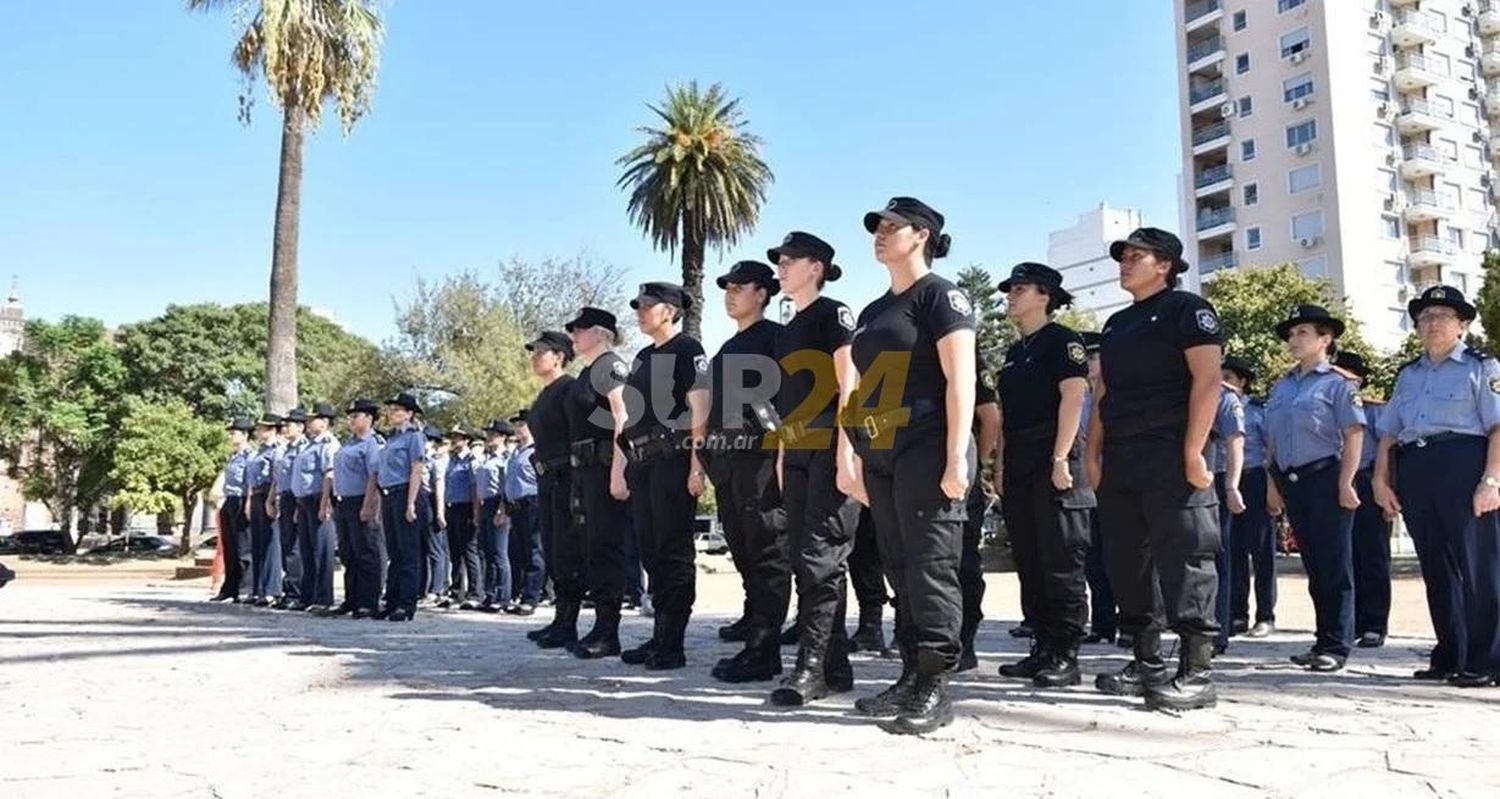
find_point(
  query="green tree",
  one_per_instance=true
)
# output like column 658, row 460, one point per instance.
column 1487, row 299
column 697, row 182
column 1079, row 319
column 165, row 457
column 308, row 52
column 1251, row 302
column 994, row 332
column 60, row 401
column 544, row 296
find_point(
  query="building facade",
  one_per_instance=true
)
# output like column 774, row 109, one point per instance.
column 1351, row 137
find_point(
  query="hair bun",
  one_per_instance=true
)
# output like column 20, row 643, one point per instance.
column 944, row 242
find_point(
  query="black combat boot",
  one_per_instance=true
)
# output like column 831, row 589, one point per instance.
column 1144, row 671
column 1193, row 687
column 869, row 636
column 739, row 628
column 887, row 703
column 669, row 653
column 928, row 707
column 1027, row 667
column 603, row 640
column 536, row 635
column 968, row 659
column 790, row 635
column 838, row 672
column 643, row 653
column 806, row 684
column 759, row 661
column 1059, row 666
column 564, row 632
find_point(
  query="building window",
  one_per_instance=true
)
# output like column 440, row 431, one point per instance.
column 1300, row 86
column 1453, row 193
column 1252, row 193
column 1308, row 225
column 1391, row 226
column 1478, row 241
column 1302, row 133
column 1397, row 272
column 1239, row 20
column 1385, row 134
column 1298, row 41
column 1252, row 238
column 1449, row 148
column 1246, row 107
column 1283, row 6
column 1242, row 63
column 1474, row 157
column 1317, row 266
column 1388, row 178
column 1247, row 150
column 1456, row 238
column 1479, row 199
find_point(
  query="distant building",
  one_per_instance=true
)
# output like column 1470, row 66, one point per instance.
column 1081, row 254
column 13, row 510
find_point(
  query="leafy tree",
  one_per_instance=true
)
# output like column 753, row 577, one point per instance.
column 59, row 406
column 309, row 52
column 546, row 295
column 165, row 456
column 1079, row 319
column 1251, row 302
column 1487, row 299
column 697, row 182
column 994, row 332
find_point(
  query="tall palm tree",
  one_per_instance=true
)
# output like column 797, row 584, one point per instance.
column 309, row 52
column 698, row 181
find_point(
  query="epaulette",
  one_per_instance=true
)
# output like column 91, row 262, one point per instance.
column 1373, row 401
column 1479, row 353
column 1345, row 372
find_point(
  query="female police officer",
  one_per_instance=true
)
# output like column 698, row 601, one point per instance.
column 1314, row 428
column 1439, row 467
column 1041, row 388
column 914, row 350
column 1158, row 390
column 399, row 479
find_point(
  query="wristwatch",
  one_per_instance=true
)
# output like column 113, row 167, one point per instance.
column 1059, row 458
column 1492, row 481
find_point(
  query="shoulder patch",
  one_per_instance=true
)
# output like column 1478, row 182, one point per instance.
column 1239, row 411
column 1076, row 353
column 846, row 317
column 1479, row 353
column 619, row 369
column 1359, row 402
column 959, row 302
column 1208, row 321
column 1495, row 384
column 700, row 364
column 988, row 380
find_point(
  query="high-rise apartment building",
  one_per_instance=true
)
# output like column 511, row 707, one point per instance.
column 1351, row 137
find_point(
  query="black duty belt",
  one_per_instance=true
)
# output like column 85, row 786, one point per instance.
column 866, row 427
column 338, row 498
column 261, row 491
column 791, row 434
column 1436, row 438
column 1299, row 473
column 722, row 442
column 386, row 491
column 590, row 452
column 1030, row 435
column 1135, row 425
column 545, row 465
column 654, row 445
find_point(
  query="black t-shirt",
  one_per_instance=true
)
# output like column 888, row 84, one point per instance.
column 589, row 417
column 984, row 387
column 909, row 323
column 548, row 419
column 1141, row 354
column 822, row 327
column 1034, row 367
column 682, row 360
column 758, row 339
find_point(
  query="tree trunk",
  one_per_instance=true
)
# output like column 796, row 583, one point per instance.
column 189, row 503
column 692, row 276
column 281, row 349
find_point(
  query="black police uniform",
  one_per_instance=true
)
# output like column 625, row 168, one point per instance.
column 1101, row 596
column 657, row 473
column 821, row 520
column 1156, row 525
column 562, row 540
column 1049, row 529
column 742, row 467
column 970, row 565
column 867, row 578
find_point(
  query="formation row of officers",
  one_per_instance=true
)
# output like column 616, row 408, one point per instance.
column 1135, row 445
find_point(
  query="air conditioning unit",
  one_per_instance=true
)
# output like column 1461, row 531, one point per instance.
column 1392, row 157
column 1377, row 19
column 1310, row 242
column 1467, row 10
column 1298, row 57
column 1304, row 148
column 1484, row 180
column 1383, row 110
column 1470, row 51
column 1402, row 293
column 1390, row 202
column 1478, row 137
column 1301, row 103
column 1226, row 110
column 1473, row 93
column 1380, row 64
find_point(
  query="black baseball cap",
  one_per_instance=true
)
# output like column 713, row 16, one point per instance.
column 553, row 340
column 325, row 410
column 1038, row 275
column 593, row 317
column 368, row 406
column 406, row 400
column 269, row 420
column 657, row 291
column 1309, row 314
column 297, row 414
column 1446, row 296
column 751, row 273
column 798, row 244
column 243, row 424
column 906, row 211
column 1154, row 239
column 500, row 427
column 1239, row 366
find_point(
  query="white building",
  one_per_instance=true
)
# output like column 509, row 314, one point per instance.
column 1352, row 137
column 12, row 322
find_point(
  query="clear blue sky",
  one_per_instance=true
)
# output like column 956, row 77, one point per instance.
column 127, row 183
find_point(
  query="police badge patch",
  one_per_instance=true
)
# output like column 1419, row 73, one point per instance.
column 1207, row 321
column 1495, row 384
column 1076, row 352
column 700, row 363
column 620, row 369
column 846, row 317
column 1359, row 402
column 959, row 302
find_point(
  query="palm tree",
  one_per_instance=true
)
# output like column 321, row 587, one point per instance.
column 308, row 51
column 697, row 181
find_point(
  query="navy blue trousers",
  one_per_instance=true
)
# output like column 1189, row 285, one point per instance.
column 403, row 544
column 1460, row 555
column 1101, row 596
column 316, row 540
column 1325, row 536
column 234, row 532
column 359, row 551
column 265, row 549
column 291, row 551
column 494, row 553
column 1372, row 561
column 1224, row 564
column 1254, row 551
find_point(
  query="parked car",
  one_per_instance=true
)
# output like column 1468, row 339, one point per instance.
column 136, row 545
column 707, row 537
column 41, row 542
column 7, row 544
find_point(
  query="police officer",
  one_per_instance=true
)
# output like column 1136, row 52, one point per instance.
column 312, row 478
column 265, row 540
column 1102, row 626
column 1438, row 468
column 1041, row 387
column 460, row 515
column 1315, row 428
column 562, row 545
column 494, row 526
column 1226, row 459
column 867, row 577
column 588, row 517
column 816, row 464
column 971, row 567
column 399, row 480
column 666, row 421
column 285, row 511
column 526, row 556
column 1372, row 531
column 234, row 525
column 1158, row 390
column 436, row 561
column 742, row 466
column 912, row 418
column 1253, row 534
column 356, row 500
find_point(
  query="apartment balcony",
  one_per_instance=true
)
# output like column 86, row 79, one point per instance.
column 1423, row 160
column 1425, row 205
column 1399, row 3
column 1413, row 28
column 1420, row 116
column 1428, row 251
column 1208, row 138
column 1206, row 53
column 1215, row 222
column 1489, row 59
column 1201, row 14
column 1489, row 18
column 1214, row 263
column 1207, row 95
column 1213, row 180
column 1414, row 71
